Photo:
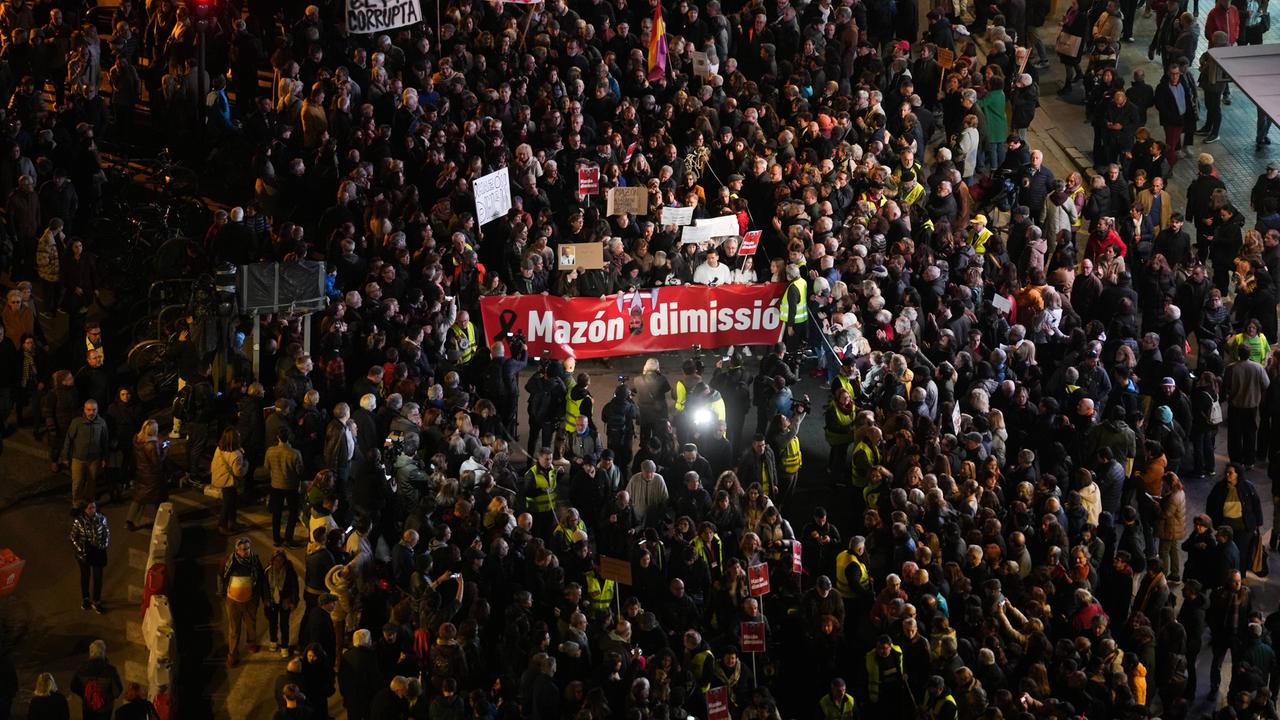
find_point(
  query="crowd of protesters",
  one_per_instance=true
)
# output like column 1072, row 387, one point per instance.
column 1014, row 407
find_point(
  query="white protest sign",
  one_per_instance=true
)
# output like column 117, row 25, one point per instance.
column 1001, row 303
column 493, row 196
column 677, row 215
column 706, row 229
column 375, row 16
column 701, row 64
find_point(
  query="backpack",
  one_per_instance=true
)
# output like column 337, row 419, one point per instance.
column 96, row 696
column 182, row 403
column 1215, row 412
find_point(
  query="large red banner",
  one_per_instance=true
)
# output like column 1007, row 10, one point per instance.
column 644, row 321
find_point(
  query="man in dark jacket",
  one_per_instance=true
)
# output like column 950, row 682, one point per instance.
column 1199, row 193
column 1036, row 182
column 317, row 625
column 97, row 682
column 1175, row 104
column 358, row 676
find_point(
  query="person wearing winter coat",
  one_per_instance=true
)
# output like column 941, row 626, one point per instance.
column 280, row 597
column 242, row 584
column 1025, row 98
column 1173, row 513
column 150, row 486
column 48, row 249
column 98, row 684
column 227, row 473
column 359, row 677
column 1233, row 501
column 90, row 538
column 47, row 703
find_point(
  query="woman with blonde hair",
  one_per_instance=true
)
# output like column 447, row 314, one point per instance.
column 48, row 702
column 150, row 487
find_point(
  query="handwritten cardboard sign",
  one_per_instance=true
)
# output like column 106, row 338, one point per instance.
column 627, row 200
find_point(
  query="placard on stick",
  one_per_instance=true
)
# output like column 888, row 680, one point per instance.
column 615, row 569
column 752, row 634
column 588, row 180
column 946, row 58
column 581, row 256
column 758, row 579
column 718, row 703
column 630, row 200
column 750, row 243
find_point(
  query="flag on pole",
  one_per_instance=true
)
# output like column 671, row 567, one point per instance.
column 658, row 45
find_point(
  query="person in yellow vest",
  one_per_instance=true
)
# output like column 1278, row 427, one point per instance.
column 783, row 436
column 837, row 703
column 566, row 532
column 758, row 465
column 853, row 581
column 886, row 679
column 911, row 191
column 979, row 234
column 539, row 488
column 692, row 376
column 704, row 410
column 847, row 378
column 698, row 660
column 462, row 339
column 710, row 548
column 866, row 456
column 794, row 308
column 577, row 402
column 600, row 592
column 938, row 703
column 838, row 428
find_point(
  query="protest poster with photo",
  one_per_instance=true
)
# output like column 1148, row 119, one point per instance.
column 581, row 256
column 493, row 196
column 375, row 16
column 653, row 320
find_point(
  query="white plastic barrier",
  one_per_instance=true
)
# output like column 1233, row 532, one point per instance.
column 166, row 524
column 160, row 672
column 158, row 620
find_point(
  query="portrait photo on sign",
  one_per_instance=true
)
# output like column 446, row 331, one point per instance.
column 581, row 256
column 568, row 256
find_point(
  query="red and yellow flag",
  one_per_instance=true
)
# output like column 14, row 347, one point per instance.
column 658, row 45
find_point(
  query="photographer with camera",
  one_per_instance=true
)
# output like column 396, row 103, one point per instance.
column 783, row 436
column 546, row 390
column 620, row 416
column 500, row 380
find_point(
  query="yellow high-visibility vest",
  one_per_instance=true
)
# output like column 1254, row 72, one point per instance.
column 843, row 561
column 872, row 454
column 544, row 483
column 600, row 592
column 791, row 456
column 914, row 194
column 466, row 340
column 572, row 409
column 978, row 239
column 802, row 306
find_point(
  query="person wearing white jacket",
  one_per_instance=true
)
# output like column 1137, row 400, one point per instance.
column 969, row 144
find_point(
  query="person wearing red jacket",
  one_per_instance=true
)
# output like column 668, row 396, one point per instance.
column 1103, row 237
column 1225, row 17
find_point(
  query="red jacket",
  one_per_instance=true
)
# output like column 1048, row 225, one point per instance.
column 1227, row 21
column 1099, row 244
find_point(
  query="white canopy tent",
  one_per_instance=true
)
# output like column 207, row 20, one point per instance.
column 1256, row 70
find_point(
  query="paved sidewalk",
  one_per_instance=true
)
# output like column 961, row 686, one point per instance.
column 1060, row 123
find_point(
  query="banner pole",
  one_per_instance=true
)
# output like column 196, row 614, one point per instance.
column 755, row 678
